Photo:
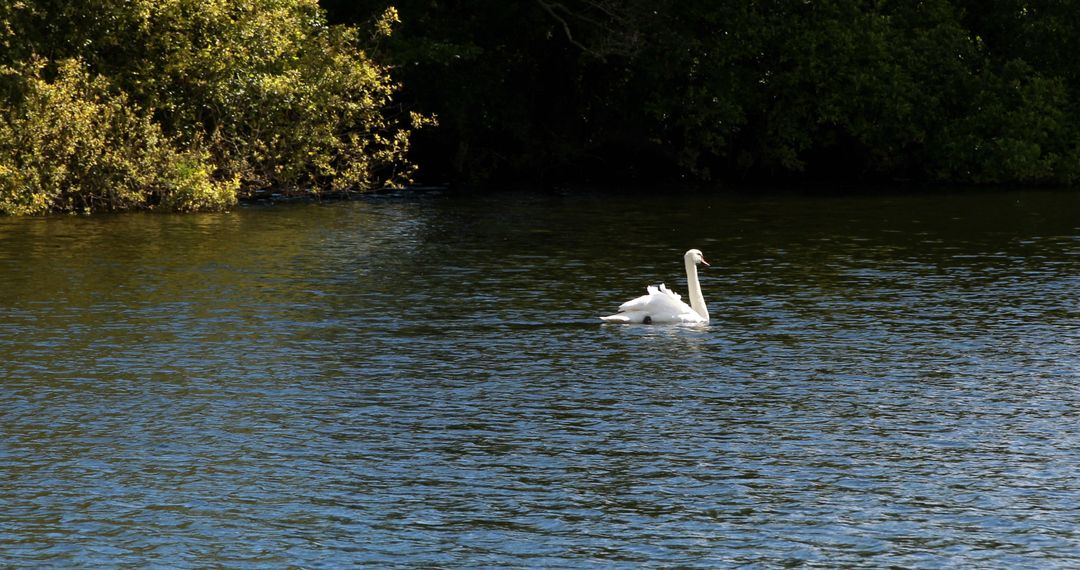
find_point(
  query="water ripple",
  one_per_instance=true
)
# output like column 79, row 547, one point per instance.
column 415, row 383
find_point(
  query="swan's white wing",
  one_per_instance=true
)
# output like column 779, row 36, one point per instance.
column 656, row 294
column 660, row 305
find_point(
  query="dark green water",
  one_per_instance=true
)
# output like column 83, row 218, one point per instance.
column 422, row 382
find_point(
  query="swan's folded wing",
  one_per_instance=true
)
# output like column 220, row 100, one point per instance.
column 659, row 299
column 670, row 293
column 634, row 304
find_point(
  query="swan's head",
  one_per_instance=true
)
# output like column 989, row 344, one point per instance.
column 696, row 257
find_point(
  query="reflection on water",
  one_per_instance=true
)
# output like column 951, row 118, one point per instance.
column 422, row 382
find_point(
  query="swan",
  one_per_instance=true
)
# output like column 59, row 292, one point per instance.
column 662, row 305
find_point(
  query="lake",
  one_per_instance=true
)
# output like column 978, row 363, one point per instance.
column 420, row 380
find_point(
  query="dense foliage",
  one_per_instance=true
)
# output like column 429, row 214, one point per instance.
column 936, row 90
column 188, row 104
column 184, row 104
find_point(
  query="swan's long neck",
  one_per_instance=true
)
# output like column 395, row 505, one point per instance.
column 697, row 301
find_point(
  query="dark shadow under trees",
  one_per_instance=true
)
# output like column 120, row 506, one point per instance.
column 554, row 90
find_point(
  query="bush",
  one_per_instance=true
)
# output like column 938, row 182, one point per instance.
column 75, row 146
column 185, row 104
column 278, row 97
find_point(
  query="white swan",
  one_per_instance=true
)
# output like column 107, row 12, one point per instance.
column 662, row 305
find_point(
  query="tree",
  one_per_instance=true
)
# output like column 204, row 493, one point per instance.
column 243, row 95
column 939, row 90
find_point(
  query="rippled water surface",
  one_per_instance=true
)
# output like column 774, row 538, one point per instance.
column 421, row 381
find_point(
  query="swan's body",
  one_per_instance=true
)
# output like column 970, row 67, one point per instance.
column 663, row 306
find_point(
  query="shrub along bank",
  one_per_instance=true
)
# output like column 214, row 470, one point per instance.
column 186, row 105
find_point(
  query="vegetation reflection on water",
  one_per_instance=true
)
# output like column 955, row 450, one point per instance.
column 421, row 381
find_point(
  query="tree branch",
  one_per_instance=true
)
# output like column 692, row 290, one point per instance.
column 551, row 8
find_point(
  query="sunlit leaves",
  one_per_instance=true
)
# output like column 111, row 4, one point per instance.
column 75, row 145
column 244, row 95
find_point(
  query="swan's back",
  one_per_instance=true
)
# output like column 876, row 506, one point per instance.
column 659, row 305
column 658, row 295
